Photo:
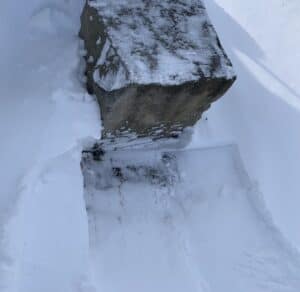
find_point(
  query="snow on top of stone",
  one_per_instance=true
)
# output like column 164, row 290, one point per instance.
column 166, row 42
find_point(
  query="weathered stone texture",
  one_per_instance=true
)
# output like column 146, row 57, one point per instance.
column 155, row 66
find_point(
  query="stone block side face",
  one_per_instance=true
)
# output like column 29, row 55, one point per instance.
column 93, row 33
column 157, row 111
column 102, row 59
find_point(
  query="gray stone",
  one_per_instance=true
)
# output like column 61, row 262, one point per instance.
column 155, row 66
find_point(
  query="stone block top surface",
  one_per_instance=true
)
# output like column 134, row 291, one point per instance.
column 165, row 42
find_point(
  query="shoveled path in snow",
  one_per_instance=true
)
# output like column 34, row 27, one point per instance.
column 210, row 232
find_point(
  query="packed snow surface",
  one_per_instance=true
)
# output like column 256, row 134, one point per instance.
column 158, row 42
column 207, row 230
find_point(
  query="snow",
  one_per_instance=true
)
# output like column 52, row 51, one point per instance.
column 208, row 231
column 46, row 118
column 261, row 112
column 155, row 47
column 230, row 221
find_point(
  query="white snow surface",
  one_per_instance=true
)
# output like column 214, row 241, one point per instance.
column 158, row 42
column 46, row 118
column 231, row 223
column 207, row 232
column 261, row 113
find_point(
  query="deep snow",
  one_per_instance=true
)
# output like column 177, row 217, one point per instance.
column 46, row 117
column 155, row 47
column 262, row 111
column 221, row 237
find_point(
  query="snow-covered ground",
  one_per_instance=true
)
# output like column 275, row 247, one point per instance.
column 46, row 117
column 206, row 231
column 262, row 111
column 212, row 232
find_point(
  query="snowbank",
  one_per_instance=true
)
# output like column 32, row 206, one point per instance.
column 45, row 118
column 262, row 111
